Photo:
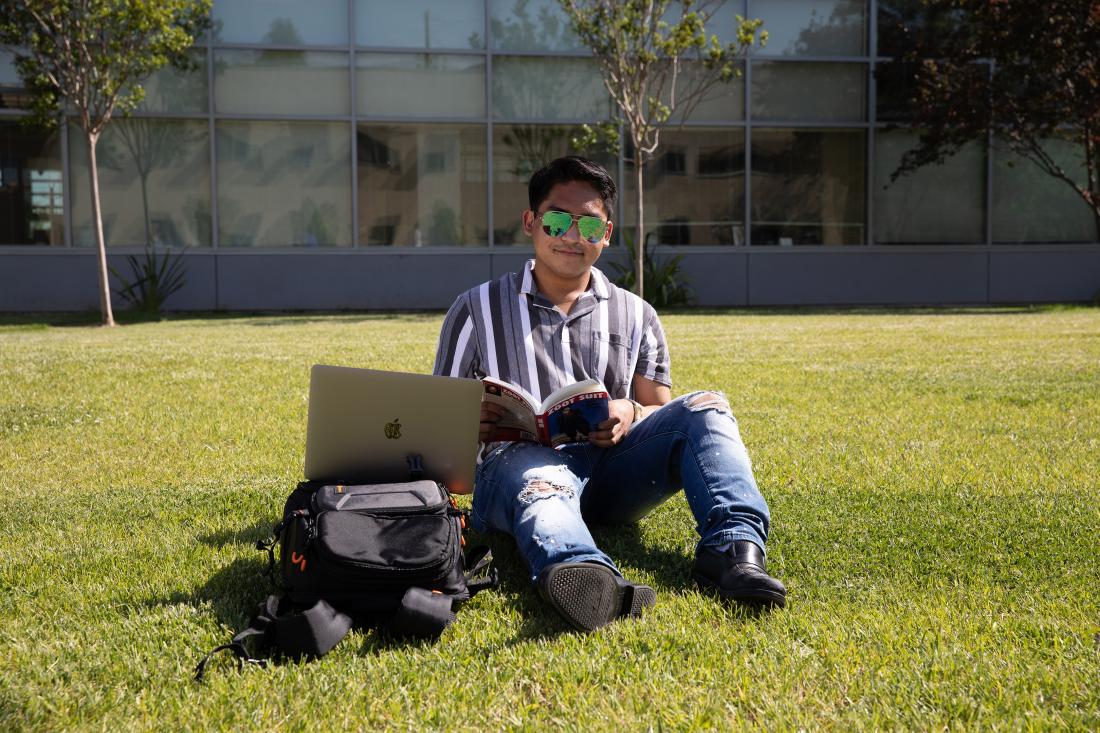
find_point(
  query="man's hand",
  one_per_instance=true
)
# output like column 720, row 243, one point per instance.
column 612, row 430
column 490, row 416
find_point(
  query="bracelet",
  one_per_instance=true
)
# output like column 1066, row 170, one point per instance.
column 638, row 414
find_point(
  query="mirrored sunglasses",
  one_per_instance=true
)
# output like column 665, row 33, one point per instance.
column 557, row 223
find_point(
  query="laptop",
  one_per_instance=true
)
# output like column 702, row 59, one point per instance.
column 364, row 423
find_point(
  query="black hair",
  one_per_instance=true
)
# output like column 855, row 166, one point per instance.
column 572, row 168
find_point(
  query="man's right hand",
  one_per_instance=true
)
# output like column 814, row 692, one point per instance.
column 490, row 416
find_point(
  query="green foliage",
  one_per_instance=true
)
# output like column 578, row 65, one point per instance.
column 932, row 479
column 94, row 54
column 154, row 278
column 603, row 136
column 664, row 288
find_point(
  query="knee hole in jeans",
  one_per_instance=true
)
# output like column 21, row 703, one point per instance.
column 709, row 401
column 539, row 488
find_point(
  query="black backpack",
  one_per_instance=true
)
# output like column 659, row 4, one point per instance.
column 386, row 556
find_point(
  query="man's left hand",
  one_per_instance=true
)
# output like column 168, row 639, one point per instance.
column 614, row 428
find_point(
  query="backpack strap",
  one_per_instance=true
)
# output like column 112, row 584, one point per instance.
column 480, row 561
column 313, row 633
column 258, row 626
column 269, row 546
column 416, row 466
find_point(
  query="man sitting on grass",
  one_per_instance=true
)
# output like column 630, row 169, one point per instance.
column 561, row 321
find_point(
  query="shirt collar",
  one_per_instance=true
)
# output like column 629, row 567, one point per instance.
column 597, row 282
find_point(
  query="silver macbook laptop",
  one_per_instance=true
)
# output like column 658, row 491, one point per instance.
column 364, row 423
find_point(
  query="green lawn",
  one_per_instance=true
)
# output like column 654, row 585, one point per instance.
column 934, row 480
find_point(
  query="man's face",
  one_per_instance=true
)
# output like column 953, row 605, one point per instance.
column 568, row 256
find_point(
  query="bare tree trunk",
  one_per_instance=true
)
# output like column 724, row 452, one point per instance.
column 97, row 218
column 639, row 242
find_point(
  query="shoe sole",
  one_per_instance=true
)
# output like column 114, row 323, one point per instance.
column 758, row 598
column 589, row 596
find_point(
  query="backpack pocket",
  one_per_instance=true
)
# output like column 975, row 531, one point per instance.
column 370, row 548
column 406, row 497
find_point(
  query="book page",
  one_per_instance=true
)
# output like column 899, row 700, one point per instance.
column 569, row 390
column 518, row 422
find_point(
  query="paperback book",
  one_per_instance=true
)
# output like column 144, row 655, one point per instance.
column 566, row 416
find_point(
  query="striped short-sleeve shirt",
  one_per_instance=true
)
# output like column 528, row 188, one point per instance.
column 504, row 328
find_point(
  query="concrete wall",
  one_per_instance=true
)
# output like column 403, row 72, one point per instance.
column 33, row 279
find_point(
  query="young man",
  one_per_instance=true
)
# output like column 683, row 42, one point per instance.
column 561, row 321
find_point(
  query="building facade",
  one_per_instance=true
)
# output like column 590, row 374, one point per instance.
column 372, row 154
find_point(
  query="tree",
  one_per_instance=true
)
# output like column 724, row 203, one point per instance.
column 91, row 56
column 1022, row 72
column 654, row 66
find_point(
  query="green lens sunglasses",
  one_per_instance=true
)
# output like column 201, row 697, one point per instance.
column 557, row 223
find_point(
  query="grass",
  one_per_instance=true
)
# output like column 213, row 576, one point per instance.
column 934, row 480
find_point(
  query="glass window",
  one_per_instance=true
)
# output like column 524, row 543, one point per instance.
column 531, row 25
column 723, row 102
column 154, row 183
column 31, row 196
column 540, row 25
column 903, row 24
column 281, row 82
column 694, row 189
column 808, row 186
column 13, row 94
column 814, row 27
column 420, row 85
column 935, row 204
column 538, row 88
column 519, row 151
column 422, row 185
column 281, row 22
column 284, row 183
column 896, row 89
column 420, row 23
column 9, row 77
column 171, row 91
column 806, row 91
column 1030, row 205
column 723, row 19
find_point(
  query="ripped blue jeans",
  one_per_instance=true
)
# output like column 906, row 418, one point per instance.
column 545, row 498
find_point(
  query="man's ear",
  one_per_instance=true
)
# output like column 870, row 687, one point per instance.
column 607, row 234
column 528, row 222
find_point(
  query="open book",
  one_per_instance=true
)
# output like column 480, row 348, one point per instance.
column 566, row 416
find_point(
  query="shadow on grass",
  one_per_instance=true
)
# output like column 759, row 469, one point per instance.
column 871, row 310
column 540, row 622
column 86, row 319
column 624, row 543
column 236, row 591
column 260, row 530
column 342, row 317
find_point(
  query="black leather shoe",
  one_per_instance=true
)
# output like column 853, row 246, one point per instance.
column 737, row 574
column 590, row 595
